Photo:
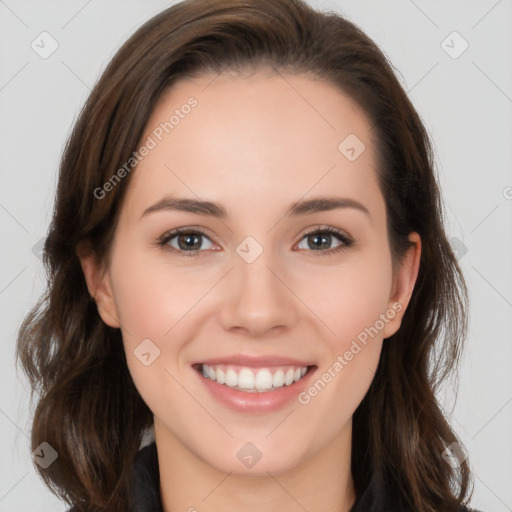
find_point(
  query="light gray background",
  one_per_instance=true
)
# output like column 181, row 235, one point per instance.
column 465, row 102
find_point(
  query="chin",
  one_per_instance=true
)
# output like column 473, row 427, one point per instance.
column 256, row 459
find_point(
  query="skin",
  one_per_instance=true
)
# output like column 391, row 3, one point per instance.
column 255, row 144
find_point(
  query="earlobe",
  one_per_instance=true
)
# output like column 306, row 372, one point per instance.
column 100, row 287
column 403, row 285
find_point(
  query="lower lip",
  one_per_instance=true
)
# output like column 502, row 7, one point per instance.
column 258, row 402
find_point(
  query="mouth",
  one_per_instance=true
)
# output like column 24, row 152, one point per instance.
column 249, row 379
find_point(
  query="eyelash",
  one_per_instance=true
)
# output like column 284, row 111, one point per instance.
column 347, row 242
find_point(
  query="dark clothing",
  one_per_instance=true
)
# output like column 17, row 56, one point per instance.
column 146, row 488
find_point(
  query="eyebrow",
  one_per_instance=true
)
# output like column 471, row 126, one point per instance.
column 199, row 207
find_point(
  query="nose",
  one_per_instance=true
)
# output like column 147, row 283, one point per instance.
column 258, row 297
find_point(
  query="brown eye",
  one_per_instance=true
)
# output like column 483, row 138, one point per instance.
column 320, row 240
column 185, row 242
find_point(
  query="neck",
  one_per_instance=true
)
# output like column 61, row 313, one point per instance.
column 321, row 481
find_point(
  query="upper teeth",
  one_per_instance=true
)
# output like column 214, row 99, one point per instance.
column 252, row 379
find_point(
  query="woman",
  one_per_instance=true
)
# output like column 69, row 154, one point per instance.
column 285, row 363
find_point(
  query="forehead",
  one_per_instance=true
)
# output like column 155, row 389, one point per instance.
column 261, row 135
column 263, row 104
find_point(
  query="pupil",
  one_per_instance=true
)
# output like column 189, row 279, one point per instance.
column 187, row 239
column 320, row 237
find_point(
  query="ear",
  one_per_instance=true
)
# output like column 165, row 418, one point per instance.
column 403, row 285
column 99, row 286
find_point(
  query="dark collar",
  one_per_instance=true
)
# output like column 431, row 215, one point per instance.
column 146, row 487
column 377, row 497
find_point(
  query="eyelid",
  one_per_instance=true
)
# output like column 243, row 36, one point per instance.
column 324, row 228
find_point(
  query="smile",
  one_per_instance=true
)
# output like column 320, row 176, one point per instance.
column 253, row 380
column 254, row 390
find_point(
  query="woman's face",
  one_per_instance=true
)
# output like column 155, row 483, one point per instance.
column 257, row 287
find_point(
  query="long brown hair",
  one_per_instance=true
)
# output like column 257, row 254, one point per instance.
column 88, row 408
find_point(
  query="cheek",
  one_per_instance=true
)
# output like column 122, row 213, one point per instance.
column 156, row 304
column 350, row 298
column 354, row 304
column 364, row 301
column 152, row 296
column 355, row 301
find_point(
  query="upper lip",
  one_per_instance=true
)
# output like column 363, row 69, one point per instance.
column 255, row 361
